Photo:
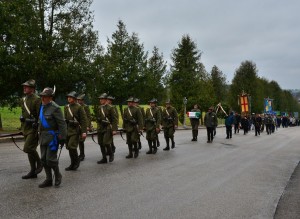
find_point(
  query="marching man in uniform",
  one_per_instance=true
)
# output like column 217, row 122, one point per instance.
column 195, row 121
column 107, row 126
column 76, row 128
column 29, row 122
column 133, row 125
column 53, row 131
column 80, row 100
column 152, row 126
column 211, row 122
column 169, row 123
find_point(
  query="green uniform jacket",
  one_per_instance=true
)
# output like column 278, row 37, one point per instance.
column 116, row 112
column 152, row 118
column 132, row 119
column 107, row 119
column 77, row 123
column 160, row 111
column 88, row 115
column 55, row 120
column 268, row 120
column 143, row 114
column 169, row 117
column 210, row 120
column 33, row 103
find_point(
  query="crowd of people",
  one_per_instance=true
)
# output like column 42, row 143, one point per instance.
column 234, row 122
column 44, row 123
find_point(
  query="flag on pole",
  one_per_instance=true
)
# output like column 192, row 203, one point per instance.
column 194, row 115
column 244, row 101
column 268, row 105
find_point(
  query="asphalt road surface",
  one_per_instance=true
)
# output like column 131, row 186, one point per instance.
column 242, row 177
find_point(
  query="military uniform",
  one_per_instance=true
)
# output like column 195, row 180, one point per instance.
column 110, row 98
column 195, row 124
column 136, row 100
column 53, row 130
column 152, row 126
column 268, row 122
column 211, row 122
column 245, row 124
column 89, row 126
column 169, row 122
column 106, row 123
column 257, row 124
column 29, row 123
column 157, row 137
column 76, row 125
column 132, row 124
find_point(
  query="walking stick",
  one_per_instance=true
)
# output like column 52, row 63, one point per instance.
column 61, row 147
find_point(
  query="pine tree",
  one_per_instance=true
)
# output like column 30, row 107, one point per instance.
column 245, row 80
column 188, row 77
column 153, row 82
column 219, row 84
column 125, row 63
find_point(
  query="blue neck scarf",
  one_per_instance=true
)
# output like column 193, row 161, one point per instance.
column 54, row 143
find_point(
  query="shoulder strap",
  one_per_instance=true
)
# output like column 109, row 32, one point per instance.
column 102, row 111
column 151, row 113
column 25, row 105
column 167, row 111
column 70, row 111
column 129, row 111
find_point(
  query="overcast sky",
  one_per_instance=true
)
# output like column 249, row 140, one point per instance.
column 227, row 32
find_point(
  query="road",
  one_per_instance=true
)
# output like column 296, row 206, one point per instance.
column 242, row 177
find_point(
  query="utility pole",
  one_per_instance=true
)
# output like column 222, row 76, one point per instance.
column 184, row 113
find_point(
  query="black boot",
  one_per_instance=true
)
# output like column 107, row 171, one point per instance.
column 37, row 160
column 39, row 167
column 157, row 142
column 111, row 157
column 110, row 152
column 167, row 148
column 31, row 173
column 130, row 155
column 140, row 144
column 76, row 159
column 113, row 148
column 103, row 151
column 194, row 136
column 71, row 167
column 154, row 148
column 102, row 161
column 136, row 150
column 57, row 175
column 48, row 181
column 81, row 150
column 173, row 143
column 150, row 147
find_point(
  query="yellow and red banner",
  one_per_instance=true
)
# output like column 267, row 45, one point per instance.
column 244, row 101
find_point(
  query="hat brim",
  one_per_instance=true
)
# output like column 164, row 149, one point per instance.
column 28, row 85
column 46, row 95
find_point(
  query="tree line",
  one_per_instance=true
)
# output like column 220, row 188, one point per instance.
column 54, row 42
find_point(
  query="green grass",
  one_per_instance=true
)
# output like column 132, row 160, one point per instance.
column 11, row 122
column 10, row 118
